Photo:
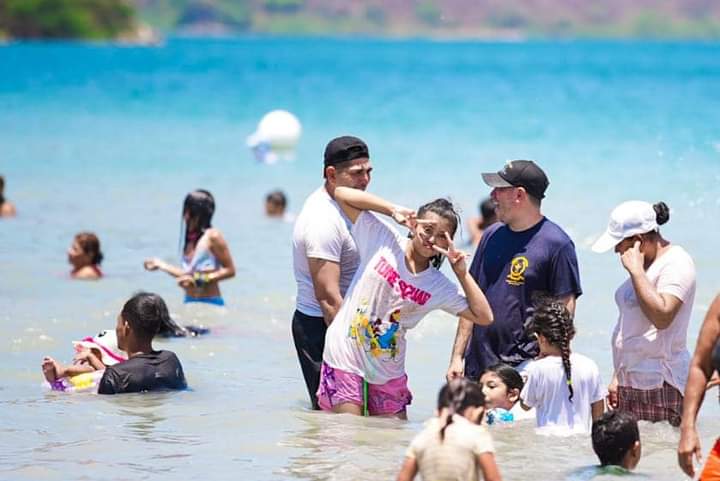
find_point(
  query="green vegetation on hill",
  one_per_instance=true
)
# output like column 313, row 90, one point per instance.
column 91, row 19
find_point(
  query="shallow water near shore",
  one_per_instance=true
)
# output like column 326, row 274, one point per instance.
column 110, row 139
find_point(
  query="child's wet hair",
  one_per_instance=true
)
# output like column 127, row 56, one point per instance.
column 145, row 312
column 613, row 435
column 456, row 396
column 551, row 319
column 508, row 375
column 445, row 209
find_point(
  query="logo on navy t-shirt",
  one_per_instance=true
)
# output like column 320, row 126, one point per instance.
column 518, row 266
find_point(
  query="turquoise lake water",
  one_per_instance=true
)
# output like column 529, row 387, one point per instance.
column 110, row 139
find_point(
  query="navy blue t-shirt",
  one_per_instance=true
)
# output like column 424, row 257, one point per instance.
column 510, row 267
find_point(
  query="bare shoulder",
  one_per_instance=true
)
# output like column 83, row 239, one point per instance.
column 214, row 235
column 86, row 273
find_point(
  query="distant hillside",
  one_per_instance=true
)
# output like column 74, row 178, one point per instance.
column 441, row 18
column 92, row 19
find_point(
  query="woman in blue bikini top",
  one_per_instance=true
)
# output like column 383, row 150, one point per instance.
column 205, row 259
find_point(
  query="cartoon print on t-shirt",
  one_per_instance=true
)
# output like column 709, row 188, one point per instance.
column 375, row 337
column 518, row 266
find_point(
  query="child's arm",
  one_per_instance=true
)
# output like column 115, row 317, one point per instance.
column 408, row 471
column 354, row 201
column 489, row 468
column 75, row 369
column 92, row 362
column 597, row 408
column 154, row 264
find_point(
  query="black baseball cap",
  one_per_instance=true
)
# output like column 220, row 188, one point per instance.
column 345, row 148
column 520, row 173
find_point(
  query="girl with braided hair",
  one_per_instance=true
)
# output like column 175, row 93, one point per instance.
column 563, row 386
column 454, row 445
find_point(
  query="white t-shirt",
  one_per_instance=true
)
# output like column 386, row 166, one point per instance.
column 546, row 390
column 322, row 231
column 453, row 458
column 643, row 356
column 385, row 299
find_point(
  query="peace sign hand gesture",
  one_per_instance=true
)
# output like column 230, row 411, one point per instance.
column 456, row 257
column 405, row 216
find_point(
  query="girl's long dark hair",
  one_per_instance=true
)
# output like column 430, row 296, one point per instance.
column 457, row 396
column 445, row 209
column 200, row 206
column 551, row 319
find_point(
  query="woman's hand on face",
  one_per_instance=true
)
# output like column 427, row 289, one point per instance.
column 186, row 281
column 152, row 264
column 456, row 257
column 633, row 260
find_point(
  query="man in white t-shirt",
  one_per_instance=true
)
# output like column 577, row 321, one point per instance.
column 325, row 257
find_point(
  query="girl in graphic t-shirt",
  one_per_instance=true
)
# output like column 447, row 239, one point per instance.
column 397, row 283
column 564, row 387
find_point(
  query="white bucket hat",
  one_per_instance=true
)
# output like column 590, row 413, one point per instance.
column 630, row 218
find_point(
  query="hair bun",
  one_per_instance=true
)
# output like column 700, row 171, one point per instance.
column 662, row 212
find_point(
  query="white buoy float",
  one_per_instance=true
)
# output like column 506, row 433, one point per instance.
column 276, row 137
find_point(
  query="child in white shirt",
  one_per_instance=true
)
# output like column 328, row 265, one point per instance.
column 565, row 387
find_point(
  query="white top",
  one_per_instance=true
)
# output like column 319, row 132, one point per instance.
column 322, row 231
column 453, row 458
column 385, row 299
column 546, row 390
column 643, row 356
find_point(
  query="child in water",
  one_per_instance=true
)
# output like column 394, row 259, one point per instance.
column 616, row 441
column 501, row 385
column 564, row 386
column 91, row 354
column 454, row 445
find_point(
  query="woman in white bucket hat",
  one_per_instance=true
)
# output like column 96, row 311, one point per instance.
column 650, row 355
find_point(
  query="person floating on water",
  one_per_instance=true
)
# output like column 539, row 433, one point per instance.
column 91, row 354
column 85, row 256
column 454, row 445
column 650, row 354
column 397, row 283
column 7, row 208
column 146, row 369
column 205, row 259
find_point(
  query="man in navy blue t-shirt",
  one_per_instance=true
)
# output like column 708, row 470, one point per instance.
column 523, row 255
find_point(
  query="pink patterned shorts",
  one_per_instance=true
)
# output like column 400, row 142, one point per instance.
column 340, row 387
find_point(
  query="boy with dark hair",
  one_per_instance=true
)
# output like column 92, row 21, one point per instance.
column 146, row 369
column 616, row 440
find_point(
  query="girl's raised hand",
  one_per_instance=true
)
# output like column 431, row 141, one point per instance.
column 405, row 216
column 456, row 257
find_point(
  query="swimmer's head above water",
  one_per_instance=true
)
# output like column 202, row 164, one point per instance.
column 84, row 255
column 140, row 320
